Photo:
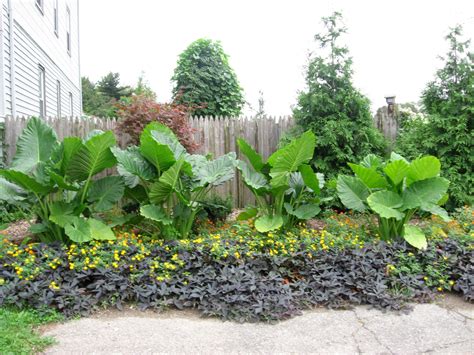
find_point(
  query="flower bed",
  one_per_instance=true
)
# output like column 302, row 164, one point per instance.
column 234, row 272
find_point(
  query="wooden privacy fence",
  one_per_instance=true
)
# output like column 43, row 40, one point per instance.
column 215, row 135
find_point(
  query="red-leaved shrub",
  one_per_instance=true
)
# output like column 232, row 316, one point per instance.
column 135, row 113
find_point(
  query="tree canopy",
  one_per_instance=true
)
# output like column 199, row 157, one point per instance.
column 204, row 80
column 332, row 107
column 447, row 132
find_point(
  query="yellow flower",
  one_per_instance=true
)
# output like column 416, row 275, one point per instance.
column 54, row 286
column 2, row 281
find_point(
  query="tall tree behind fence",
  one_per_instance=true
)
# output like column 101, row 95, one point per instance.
column 216, row 136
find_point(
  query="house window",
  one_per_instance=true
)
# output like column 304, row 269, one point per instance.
column 58, row 98
column 56, row 19
column 71, row 105
column 40, row 5
column 68, row 34
column 42, row 91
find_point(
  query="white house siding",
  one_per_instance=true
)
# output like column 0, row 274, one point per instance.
column 36, row 44
column 5, row 51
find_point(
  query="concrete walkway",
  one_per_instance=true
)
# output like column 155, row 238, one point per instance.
column 443, row 328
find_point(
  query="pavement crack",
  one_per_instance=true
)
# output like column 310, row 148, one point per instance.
column 444, row 346
column 353, row 336
column 364, row 326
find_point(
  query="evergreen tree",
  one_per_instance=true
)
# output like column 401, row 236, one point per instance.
column 110, row 87
column 333, row 108
column 94, row 103
column 448, row 130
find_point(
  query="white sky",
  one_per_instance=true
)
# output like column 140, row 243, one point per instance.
column 394, row 44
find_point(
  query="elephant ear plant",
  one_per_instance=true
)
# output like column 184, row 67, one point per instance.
column 169, row 183
column 395, row 191
column 56, row 180
column 285, row 187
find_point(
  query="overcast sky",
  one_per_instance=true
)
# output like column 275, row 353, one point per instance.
column 394, row 44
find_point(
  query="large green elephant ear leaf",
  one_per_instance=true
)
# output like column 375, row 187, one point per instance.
column 93, row 157
column 425, row 192
column 62, row 213
column 385, row 203
column 289, row 158
column 155, row 213
column 352, row 192
column 297, row 152
column 171, row 141
column 268, row 223
column 70, row 146
column 35, row 144
column 397, row 170
column 249, row 212
column 303, row 212
column 26, row 182
column 82, row 230
column 424, row 168
column 164, row 135
column 157, row 153
column 106, row 192
column 167, row 184
column 10, row 192
column 310, row 178
column 395, row 156
column 215, row 172
column 254, row 158
column 415, row 237
column 100, row 231
column 437, row 210
column 253, row 179
column 78, row 230
column 369, row 176
column 371, row 161
column 132, row 166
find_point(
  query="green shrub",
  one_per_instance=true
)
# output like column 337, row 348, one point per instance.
column 285, row 187
column 217, row 208
column 448, row 131
column 395, row 191
column 55, row 181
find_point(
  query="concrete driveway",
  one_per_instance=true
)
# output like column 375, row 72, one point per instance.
column 443, row 328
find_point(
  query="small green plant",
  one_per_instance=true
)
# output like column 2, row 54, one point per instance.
column 169, row 183
column 217, row 208
column 56, row 182
column 285, row 187
column 395, row 191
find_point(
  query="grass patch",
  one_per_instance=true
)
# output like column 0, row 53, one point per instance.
column 18, row 330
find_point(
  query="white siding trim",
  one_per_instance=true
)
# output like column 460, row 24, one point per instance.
column 12, row 59
column 79, row 61
column 3, row 103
